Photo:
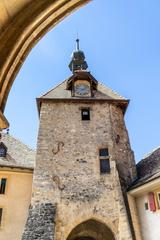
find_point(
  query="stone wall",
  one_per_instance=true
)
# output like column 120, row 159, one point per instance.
column 41, row 222
column 135, row 217
column 122, row 152
column 67, row 172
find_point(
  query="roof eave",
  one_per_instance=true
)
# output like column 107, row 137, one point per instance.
column 77, row 75
column 137, row 189
column 12, row 167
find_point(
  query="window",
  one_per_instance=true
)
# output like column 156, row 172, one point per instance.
column 85, row 113
column 104, row 160
column 3, row 185
column 158, row 199
column 3, row 150
column 103, row 152
column 104, row 166
column 1, row 212
column 146, row 206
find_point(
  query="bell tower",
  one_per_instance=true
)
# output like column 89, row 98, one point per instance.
column 84, row 162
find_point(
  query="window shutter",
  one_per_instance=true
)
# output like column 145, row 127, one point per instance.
column 152, row 203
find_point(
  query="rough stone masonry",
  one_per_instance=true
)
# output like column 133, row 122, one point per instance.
column 76, row 194
column 71, row 179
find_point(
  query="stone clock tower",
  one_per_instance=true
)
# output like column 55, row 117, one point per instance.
column 84, row 162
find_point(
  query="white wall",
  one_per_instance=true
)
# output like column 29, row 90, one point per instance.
column 150, row 221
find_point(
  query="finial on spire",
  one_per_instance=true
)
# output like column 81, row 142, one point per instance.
column 77, row 44
column 78, row 59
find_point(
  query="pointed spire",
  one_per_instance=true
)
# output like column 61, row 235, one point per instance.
column 78, row 59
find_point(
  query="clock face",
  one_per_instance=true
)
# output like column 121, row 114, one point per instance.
column 82, row 89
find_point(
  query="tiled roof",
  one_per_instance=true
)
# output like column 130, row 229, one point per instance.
column 100, row 92
column 148, row 168
column 150, row 164
column 141, row 181
column 60, row 92
column 18, row 154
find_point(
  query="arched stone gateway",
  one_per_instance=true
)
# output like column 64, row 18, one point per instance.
column 22, row 25
column 91, row 230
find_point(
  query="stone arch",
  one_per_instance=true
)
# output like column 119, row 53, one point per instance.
column 22, row 25
column 91, row 230
column 112, row 225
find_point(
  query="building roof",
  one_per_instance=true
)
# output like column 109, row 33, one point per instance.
column 148, row 169
column 61, row 91
column 18, row 154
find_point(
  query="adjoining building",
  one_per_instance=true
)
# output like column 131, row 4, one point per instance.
column 144, row 197
column 16, row 172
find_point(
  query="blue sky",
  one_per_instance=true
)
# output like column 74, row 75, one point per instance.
column 121, row 41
